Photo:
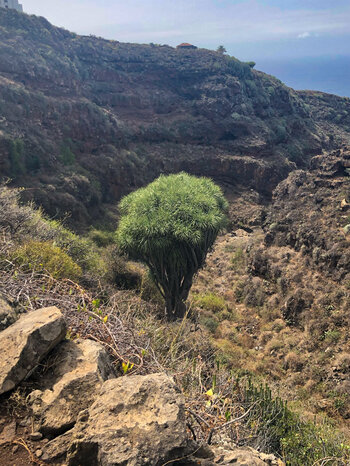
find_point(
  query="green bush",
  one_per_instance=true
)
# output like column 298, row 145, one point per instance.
column 67, row 156
column 102, row 238
column 308, row 444
column 251, row 64
column 17, row 161
column 26, row 223
column 331, row 336
column 210, row 302
column 46, row 257
column 284, row 433
column 238, row 259
column 210, row 323
column 83, row 251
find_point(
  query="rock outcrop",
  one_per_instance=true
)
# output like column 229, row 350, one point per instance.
column 70, row 386
column 309, row 213
column 7, row 314
column 25, row 343
column 140, row 421
column 135, row 420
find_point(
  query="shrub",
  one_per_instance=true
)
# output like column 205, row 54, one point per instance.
column 170, row 226
column 210, row 323
column 308, row 444
column 283, row 432
column 102, row 238
column 294, row 362
column 46, row 257
column 254, row 293
column 210, row 302
column 331, row 336
column 119, row 271
column 17, row 163
column 228, row 353
column 13, row 217
column 221, row 49
column 238, row 259
column 67, row 156
column 251, row 64
column 343, row 362
column 82, row 250
column 25, row 223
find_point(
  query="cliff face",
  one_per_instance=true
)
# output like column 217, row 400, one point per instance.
column 85, row 120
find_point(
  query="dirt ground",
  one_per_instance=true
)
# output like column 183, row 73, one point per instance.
column 16, row 446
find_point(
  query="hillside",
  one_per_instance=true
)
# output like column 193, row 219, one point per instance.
column 85, row 120
column 275, row 296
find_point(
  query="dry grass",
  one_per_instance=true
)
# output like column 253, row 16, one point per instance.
column 258, row 338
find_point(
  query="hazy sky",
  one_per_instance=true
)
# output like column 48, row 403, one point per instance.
column 259, row 30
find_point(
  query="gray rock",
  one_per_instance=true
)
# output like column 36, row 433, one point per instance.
column 8, row 433
column 25, row 343
column 7, row 315
column 239, row 457
column 36, row 436
column 82, row 367
column 218, row 455
column 347, row 229
column 56, row 450
column 136, row 420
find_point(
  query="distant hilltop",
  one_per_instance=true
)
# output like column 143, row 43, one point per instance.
column 84, row 121
column 11, row 5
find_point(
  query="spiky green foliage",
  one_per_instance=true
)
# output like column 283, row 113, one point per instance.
column 170, row 225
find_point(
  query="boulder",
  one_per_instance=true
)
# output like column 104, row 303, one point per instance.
column 136, row 420
column 243, row 457
column 25, row 343
column 7, row 314
column 70, row 386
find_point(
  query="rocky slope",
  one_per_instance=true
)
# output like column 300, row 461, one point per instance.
column 271, row 305
column 86, row 414
column 275, row 292
column 84, row 120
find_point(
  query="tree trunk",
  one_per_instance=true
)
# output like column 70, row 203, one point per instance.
column 180, row 309
column 176, row 302
column 175, row 308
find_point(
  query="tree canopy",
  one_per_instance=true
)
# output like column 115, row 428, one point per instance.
column 221, row 49
column 170, row 225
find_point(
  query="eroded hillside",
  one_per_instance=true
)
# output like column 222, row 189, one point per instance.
column 86, row 120
column 275, row 294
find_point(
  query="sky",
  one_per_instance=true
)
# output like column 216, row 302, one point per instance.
column 305, row 43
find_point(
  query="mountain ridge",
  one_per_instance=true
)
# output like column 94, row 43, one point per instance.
column 86, row 120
